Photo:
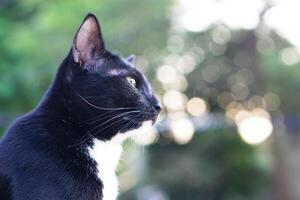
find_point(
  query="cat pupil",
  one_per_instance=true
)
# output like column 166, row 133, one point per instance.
column 132, row 81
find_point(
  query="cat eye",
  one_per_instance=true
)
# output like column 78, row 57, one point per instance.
column 131, row 80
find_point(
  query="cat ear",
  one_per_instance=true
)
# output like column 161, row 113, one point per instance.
column 131, row 58
column 88, row 40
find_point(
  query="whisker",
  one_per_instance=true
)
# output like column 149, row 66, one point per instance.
column 86, row 97
column 101, row 108
column 115, row 123
column 90, row 135
column 103, row 116
column 119, row 115
column 128, row 126
column 130, row 123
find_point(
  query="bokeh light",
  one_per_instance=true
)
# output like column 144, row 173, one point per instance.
column 290, row 56
column 254, row 127
column 197, row 106
column 272, row 101
column 196, row 16
column 285, row 26
column 182, row 130
column 211, row 73
column 166, row 74
column 255, row 130
column 147, row 135
column 174, row 100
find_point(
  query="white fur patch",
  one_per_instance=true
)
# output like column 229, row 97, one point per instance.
column 107, row 155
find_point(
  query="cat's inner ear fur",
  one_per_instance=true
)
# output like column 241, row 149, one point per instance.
column 88, row 41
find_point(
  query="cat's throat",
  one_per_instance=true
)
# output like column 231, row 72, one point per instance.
column 107, row 155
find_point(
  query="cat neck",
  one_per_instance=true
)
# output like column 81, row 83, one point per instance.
column 55, row 110
column 54, row 99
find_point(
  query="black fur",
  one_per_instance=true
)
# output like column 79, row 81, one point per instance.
column 43, row 155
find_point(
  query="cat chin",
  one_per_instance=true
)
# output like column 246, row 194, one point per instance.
column 122, row 136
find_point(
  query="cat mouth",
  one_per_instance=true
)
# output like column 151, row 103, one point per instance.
column 146, row 117
column 154, row 119
column 151, row 117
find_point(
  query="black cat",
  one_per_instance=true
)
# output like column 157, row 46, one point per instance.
column 67, row 148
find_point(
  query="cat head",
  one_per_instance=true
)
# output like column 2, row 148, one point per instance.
column 109, row 94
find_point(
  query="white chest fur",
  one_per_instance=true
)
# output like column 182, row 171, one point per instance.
column 107, row 155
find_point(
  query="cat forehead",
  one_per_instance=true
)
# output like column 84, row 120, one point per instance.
column 124, row 69
column 115, row 65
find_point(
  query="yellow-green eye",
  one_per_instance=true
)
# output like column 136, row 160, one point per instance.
column 132, row 81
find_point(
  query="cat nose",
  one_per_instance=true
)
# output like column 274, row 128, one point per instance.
column 157, row 107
